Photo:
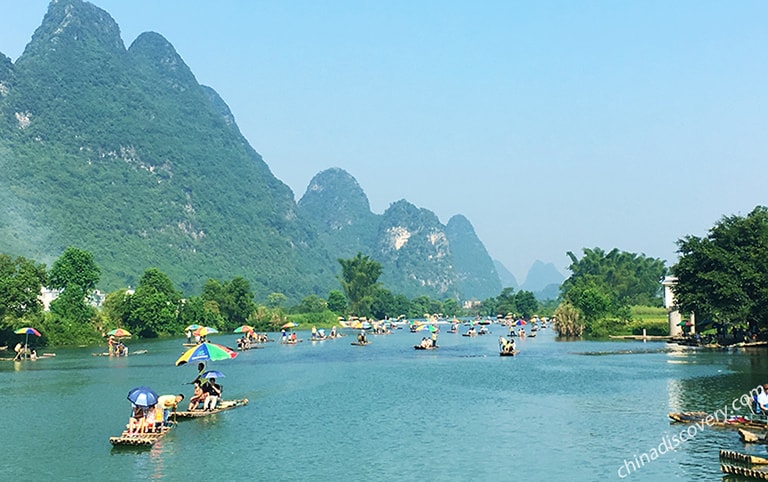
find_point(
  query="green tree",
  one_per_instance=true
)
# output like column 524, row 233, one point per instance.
column 724, row 276
column 359, row 279
column 155, row 305
column 451, row 307
column 20, row 283
column 312, row 304
column 526, row 304
column 117, row 307
column 383, row 304
column 276, row 300
column 337, row 302
column 504, row 303
column 197, row 310
column 234, row 300
column 606, row 284
column 75, row 269
column 75, row 273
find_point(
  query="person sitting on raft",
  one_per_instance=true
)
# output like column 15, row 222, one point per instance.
column 198, row 396
column 762, row 398
column 505, row 345
column 135, row 421
column 214, row 394
column 361, row 337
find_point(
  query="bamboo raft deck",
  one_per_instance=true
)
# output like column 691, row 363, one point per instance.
column 419, row 347
column 137, row 352
column 744, row 465
column 735, row 423
column 133, row 439
column 509, row 353
column 223, row 406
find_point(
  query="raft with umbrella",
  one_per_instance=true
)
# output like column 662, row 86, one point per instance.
column 142, row 397
column 26, row 331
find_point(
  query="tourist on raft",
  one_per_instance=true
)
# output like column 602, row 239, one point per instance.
column 762, row 399
column 214, row 394
column 198, row 396
column 168, row 403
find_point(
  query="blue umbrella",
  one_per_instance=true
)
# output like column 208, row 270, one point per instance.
column 142, row 396
column 212, row 374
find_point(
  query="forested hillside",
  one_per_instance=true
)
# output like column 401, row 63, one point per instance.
column 123, row 153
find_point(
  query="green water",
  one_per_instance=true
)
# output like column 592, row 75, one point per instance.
column 331, row 411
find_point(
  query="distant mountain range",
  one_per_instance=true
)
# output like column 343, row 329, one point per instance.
column 123, row 153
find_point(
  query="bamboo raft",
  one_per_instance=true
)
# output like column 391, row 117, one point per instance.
column 732, row 423
column 744, row 465
column 419, row 347
column 509, row 353
column 137, row 352
column 747, row 436
column 224, row 405
column 133, row 439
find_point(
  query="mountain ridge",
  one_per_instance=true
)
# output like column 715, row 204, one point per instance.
column 122, row 152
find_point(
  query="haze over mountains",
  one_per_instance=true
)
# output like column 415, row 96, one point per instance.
column 123, row 153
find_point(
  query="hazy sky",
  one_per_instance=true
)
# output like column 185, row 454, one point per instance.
column 552, row 126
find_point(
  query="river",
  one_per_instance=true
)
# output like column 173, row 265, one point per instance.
column 575, row 411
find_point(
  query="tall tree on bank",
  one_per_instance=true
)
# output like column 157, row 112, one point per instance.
column 723, row 277
column 20, row 283
column 607, row 284
column 75, row 274
column 359, row 279
column 154, row 307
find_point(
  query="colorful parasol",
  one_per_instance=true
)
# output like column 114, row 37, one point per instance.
column 290, row 324
column 204, row 331
column 142, row 396
column 212, row 374
column 206, row 351
column 243, row 329
column 119, row 332
column 192, row 327
column 26, row 331
column 432, row 328
column 521, row 322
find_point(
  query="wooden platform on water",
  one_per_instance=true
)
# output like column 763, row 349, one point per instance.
column 130, row 353
column 509, row 353
column 223, row 406
column 733, row 423
column 133, row 439
column 744, row 465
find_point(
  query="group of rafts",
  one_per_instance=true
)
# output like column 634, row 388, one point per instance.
column 131, row 437
column 751, row 430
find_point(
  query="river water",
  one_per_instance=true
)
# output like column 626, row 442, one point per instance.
column 575, row 411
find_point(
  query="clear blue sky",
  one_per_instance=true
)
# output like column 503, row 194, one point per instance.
column 552, row 126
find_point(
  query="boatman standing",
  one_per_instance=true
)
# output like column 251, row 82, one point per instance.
column 168, row 403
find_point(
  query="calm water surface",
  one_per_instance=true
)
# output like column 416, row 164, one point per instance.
column 572, row 411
